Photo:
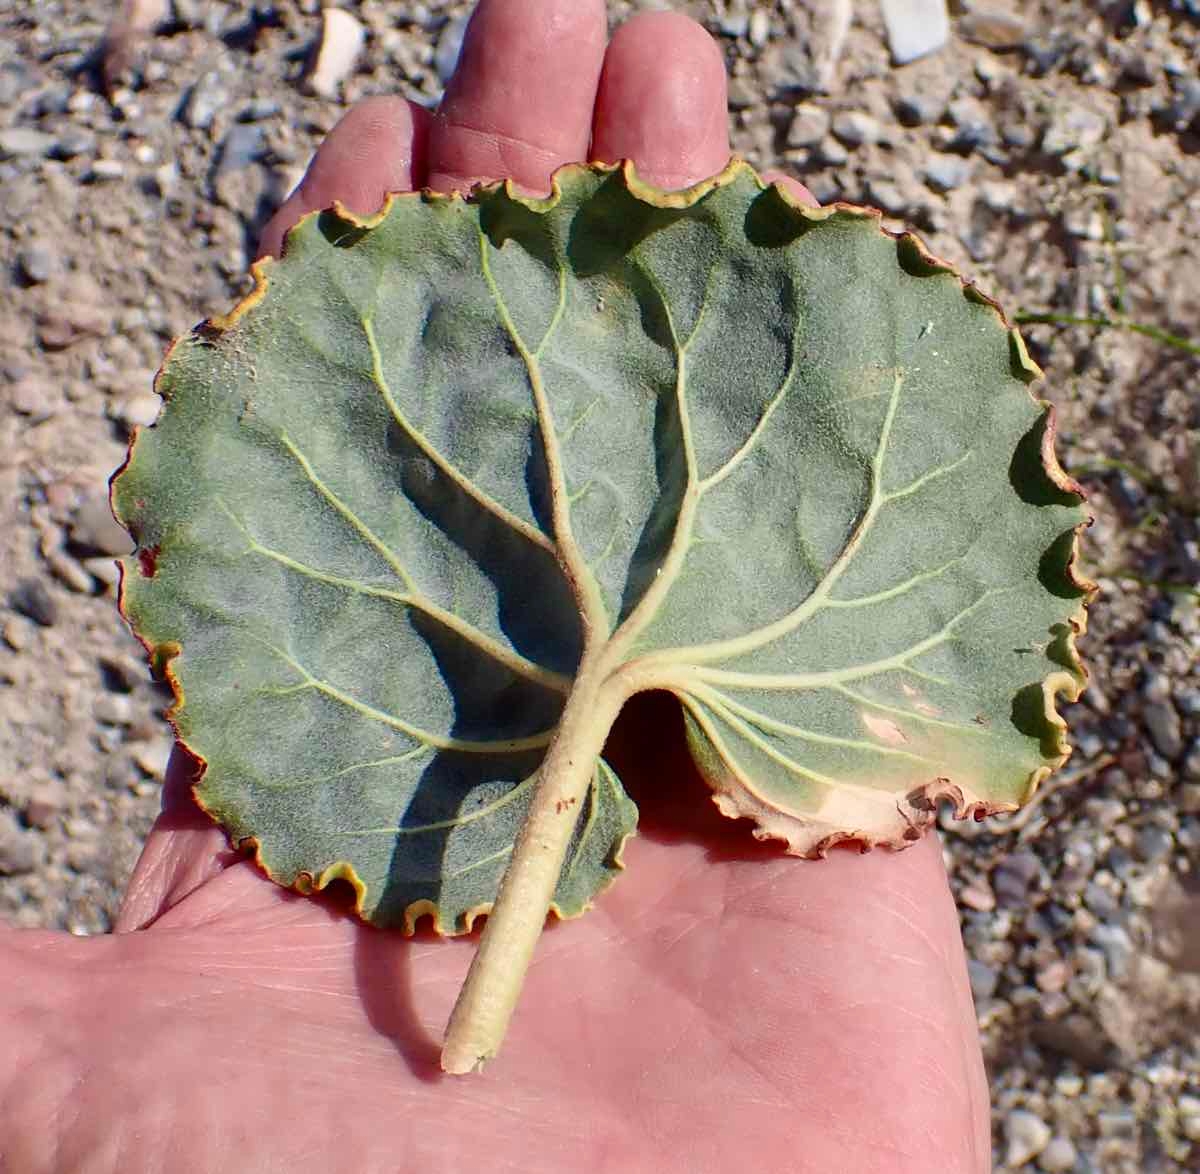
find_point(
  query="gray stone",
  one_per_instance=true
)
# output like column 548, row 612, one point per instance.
column 204, row 99
column 74, row 141
column 242, row 146
column 886, row 196
column 831, row 153
column 24, row 141
column 919, row 109
column 1025, row 1136
column 808, row 127
column 95, row 531
column 1163, row 725
column 1152, row 844
column 983, row 979
column 1072, row 127
column 944, row 173
column 856, row 129
column 973, row 127
column 1013, row 876
column 1117, row 947
column 449, row 46
column 31, row 599
column 20, row 851
column 1100, row 901
column 36, row 264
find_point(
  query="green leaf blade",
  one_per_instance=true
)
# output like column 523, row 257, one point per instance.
column 770, row 459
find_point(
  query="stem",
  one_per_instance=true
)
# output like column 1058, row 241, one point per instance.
column 489, row 995
column 1163, row 336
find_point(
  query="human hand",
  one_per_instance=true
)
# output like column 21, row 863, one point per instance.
column 722, row 1007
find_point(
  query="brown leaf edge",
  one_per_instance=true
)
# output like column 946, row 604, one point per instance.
column 918, row 810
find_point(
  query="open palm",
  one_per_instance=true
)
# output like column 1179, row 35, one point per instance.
column 723, row 1007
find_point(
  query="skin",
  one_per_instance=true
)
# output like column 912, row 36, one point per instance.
column 723, row 1007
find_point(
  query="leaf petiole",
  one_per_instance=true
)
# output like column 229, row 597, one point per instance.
column 489, row 995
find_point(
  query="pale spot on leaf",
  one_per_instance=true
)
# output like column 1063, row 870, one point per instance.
column 885, row 729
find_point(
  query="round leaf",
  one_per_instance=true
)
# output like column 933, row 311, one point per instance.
column 445, row 463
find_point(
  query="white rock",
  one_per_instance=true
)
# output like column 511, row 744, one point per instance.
column 342, row 38
column 759, row 28
column 152, row 757
column 1026, row 1135
column 915, row 28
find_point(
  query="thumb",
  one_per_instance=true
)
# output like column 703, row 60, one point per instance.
column 183, row 851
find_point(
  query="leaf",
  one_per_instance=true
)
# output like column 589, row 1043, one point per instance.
column 455, row 481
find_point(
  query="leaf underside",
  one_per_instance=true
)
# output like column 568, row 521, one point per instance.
column 801, row 468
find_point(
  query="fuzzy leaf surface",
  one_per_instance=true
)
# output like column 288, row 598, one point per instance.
column 772, row 460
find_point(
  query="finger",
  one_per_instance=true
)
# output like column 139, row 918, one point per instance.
column 520, row 102
column 183, row 850
column 662, row 101
column 799, row 192
column 378, row 147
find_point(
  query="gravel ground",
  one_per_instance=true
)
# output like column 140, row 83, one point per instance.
column 1051, row 150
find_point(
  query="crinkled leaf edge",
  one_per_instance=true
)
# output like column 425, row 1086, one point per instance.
column 920, row 808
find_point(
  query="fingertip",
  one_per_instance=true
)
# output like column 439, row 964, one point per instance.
column 379, row 146
column 793, row 186
column 520, row 102
column 663, row 101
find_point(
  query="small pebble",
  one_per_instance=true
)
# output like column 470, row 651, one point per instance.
column 17, row 633
column 152, row 757
column 886, row 196
column 342, row 39
column 69, row 573
column 449, row 46
column 1072, row 127
column 1025, row 1135
column 114, row 709
column 919, row 109
column 241, row 147
column 36, row 264
column 19, row 850
column 1163, row 725
column 1059, row 1156
column 983, row 979
column 856, row 129
column 915, row 28
column 1189, row 1116
column 24, row 140
column 31, row 598
column 944, row 173
column 94, row 530
column 42, row 808
column 1100, row 901
column 991, row 27
column 808, row 127
column 831, row 153
column 122, row 673
column 206, row 97
column 103, row 170
column 1013, row 876
column 758, row 29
